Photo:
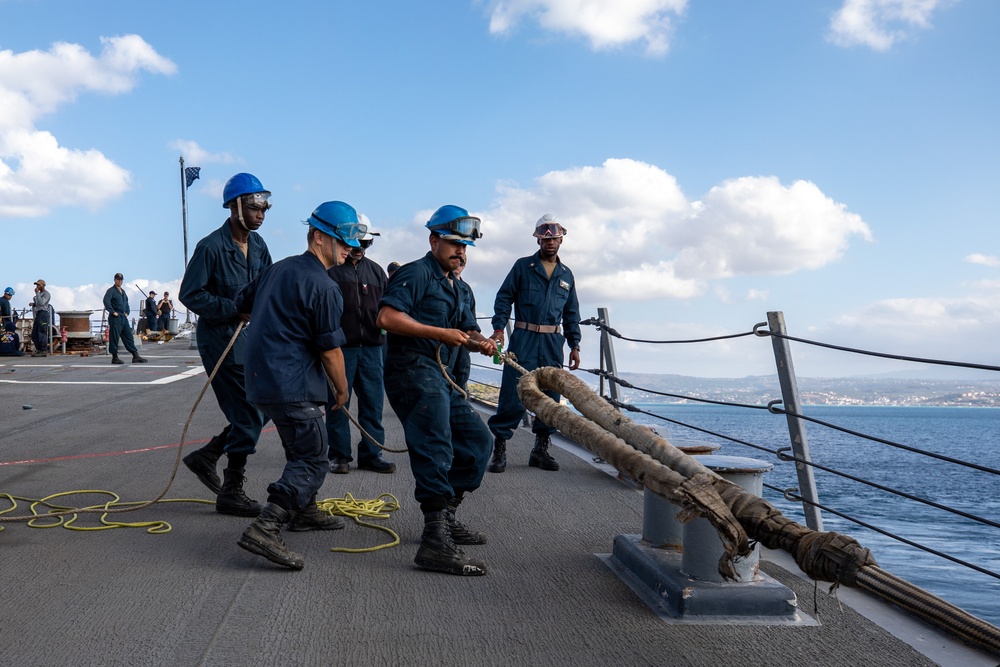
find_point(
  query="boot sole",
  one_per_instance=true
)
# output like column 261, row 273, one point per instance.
column 550, row 468
column 255, row 547
column 466, row 570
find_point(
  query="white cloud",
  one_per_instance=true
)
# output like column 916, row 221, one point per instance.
column 878, row 24
column 36, row 173
column 605, row 23
column 927, row 327
column 985, row 260
column 194, row 155
column 633, row 235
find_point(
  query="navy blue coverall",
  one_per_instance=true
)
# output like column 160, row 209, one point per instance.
column 217, row 271
column 537, row 300
column 448, row 443
column 115, row 301
column 285, row 376
column 152, row 318
column 361, row 285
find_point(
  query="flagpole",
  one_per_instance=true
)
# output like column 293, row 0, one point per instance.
column 184, row 222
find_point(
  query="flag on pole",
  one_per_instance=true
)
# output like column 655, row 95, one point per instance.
column 191, row 174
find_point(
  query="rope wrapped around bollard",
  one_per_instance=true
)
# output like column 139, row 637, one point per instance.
column 738, row 516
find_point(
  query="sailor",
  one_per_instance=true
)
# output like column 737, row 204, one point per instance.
column 116, row 303
column 361, row 283
column 7, row 313
column 40, row 326
column 543, row 293
column 288, row 362
column 150, row 312
column 425, row 316
column 222, row 263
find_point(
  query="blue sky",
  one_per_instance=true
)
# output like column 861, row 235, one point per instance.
column 835, row 159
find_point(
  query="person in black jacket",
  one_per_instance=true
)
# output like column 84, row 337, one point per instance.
column 362, row 283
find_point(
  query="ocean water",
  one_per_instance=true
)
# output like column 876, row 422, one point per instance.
column 967, row 434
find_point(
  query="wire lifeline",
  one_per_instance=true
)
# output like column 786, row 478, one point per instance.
column 939, row 362
column 601, row 326
column 173, row 473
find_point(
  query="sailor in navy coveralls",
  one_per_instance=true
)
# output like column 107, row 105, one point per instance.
column 543, row 293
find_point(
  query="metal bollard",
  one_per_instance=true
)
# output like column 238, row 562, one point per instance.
column 702, row 546
column 660, row 527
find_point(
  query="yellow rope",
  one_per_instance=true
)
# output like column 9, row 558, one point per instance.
column 380, row 508
column 67, row 519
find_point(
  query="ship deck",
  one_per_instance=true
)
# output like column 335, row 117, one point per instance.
column 192, row 597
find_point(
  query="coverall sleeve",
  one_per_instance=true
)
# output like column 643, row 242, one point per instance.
column 194, row 288
column 571, row 318
column 505, row 300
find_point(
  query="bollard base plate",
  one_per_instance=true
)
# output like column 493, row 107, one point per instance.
column 655, row 576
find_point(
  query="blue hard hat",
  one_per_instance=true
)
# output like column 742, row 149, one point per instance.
column 241, row 184
column 455, row 224
column 9, row 290
column 340, row 220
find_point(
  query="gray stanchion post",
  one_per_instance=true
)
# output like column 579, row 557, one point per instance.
column 796, row 427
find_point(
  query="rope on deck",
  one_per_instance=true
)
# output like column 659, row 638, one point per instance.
column 738, row 515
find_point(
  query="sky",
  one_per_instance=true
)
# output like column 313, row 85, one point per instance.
column 712, row 160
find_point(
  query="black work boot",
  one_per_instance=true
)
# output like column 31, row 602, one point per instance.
column 461, row 533
column 439, row 552
column 311, row 517
column 202, row 463
column 136, row 359
column 114, row 359
column 231, row 499
column 263, row 539
column 499, row 461
column 540, row 454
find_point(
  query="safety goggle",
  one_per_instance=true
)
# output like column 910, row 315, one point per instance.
column 351, row 231
column 258, row 201
column 550, row 230
column 366, row 243
column 467, row 227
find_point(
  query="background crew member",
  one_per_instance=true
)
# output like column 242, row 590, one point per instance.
column 222, row 263
column 7, row 312
column 116, row 303
column 422, row 310
column 291, row 353
column 165, row 308
column 40, row 325
column 361, row 282
column 10, row 342
column 542, row 290
column 152, row 319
